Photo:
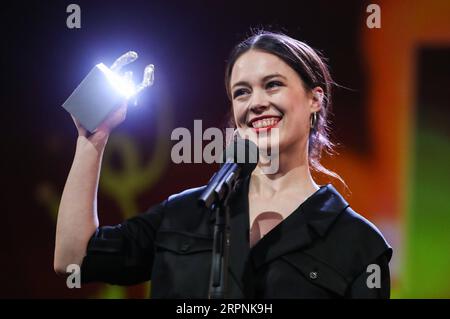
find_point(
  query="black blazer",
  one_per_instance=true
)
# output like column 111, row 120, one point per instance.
column 321, row 250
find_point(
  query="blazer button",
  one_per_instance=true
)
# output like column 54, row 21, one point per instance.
column 313, row 275
column 185, row 247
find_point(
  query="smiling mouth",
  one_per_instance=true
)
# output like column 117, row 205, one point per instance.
column 266, row 123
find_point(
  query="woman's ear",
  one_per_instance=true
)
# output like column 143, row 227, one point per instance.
column 317, row 99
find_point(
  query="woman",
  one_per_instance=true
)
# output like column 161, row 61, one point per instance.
column 304, row 240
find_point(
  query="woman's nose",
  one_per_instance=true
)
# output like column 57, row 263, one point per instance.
column 259, row 103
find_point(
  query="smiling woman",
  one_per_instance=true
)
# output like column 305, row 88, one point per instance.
column 287, row 76
column 289, row 237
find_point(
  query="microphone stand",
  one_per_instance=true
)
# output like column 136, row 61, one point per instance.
column 215, row 198
column 218, row 282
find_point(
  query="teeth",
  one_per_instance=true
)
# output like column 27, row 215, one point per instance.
column 265, row 122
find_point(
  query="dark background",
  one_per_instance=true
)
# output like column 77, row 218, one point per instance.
column 188, row 42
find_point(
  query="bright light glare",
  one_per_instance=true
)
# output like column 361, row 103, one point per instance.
column 124, row 87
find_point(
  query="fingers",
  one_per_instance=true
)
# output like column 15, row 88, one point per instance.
column 148, row 78
column 123, row 60
column 127, row 58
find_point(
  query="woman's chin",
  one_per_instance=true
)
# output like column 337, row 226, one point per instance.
column 267, row 143
column 268, row 149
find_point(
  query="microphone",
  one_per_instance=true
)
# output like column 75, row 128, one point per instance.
column 240, row 159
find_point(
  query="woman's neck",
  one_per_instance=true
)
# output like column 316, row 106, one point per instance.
column 292, row 175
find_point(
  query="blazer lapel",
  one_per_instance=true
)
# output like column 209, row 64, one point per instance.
column 317, row 213
column 291, row 234
column 239, row 237
column 298, row 231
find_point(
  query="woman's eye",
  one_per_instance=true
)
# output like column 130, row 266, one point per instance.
column 272, row 84
column 239, row 92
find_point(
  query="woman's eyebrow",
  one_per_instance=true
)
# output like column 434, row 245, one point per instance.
column 275, row 75
column 264, row 79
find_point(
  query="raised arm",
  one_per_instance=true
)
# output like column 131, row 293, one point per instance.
column 77, row 214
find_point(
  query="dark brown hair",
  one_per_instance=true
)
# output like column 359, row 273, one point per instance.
column 311, row 67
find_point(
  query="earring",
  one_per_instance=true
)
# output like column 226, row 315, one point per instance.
column 313, row 120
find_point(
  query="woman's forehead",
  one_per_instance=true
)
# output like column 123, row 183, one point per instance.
column 255, row 65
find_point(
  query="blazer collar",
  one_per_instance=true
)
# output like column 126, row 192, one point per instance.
column 239, row 238
column 322, row 208
column 316, row 213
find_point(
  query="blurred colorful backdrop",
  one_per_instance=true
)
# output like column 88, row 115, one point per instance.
column 390, row 119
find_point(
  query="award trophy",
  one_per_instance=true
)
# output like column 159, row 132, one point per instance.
column 103, row 90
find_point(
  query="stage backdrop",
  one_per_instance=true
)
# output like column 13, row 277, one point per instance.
column 390, row 120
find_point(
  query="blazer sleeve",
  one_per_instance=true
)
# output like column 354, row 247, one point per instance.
column 366, row 286
column 123, row 254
